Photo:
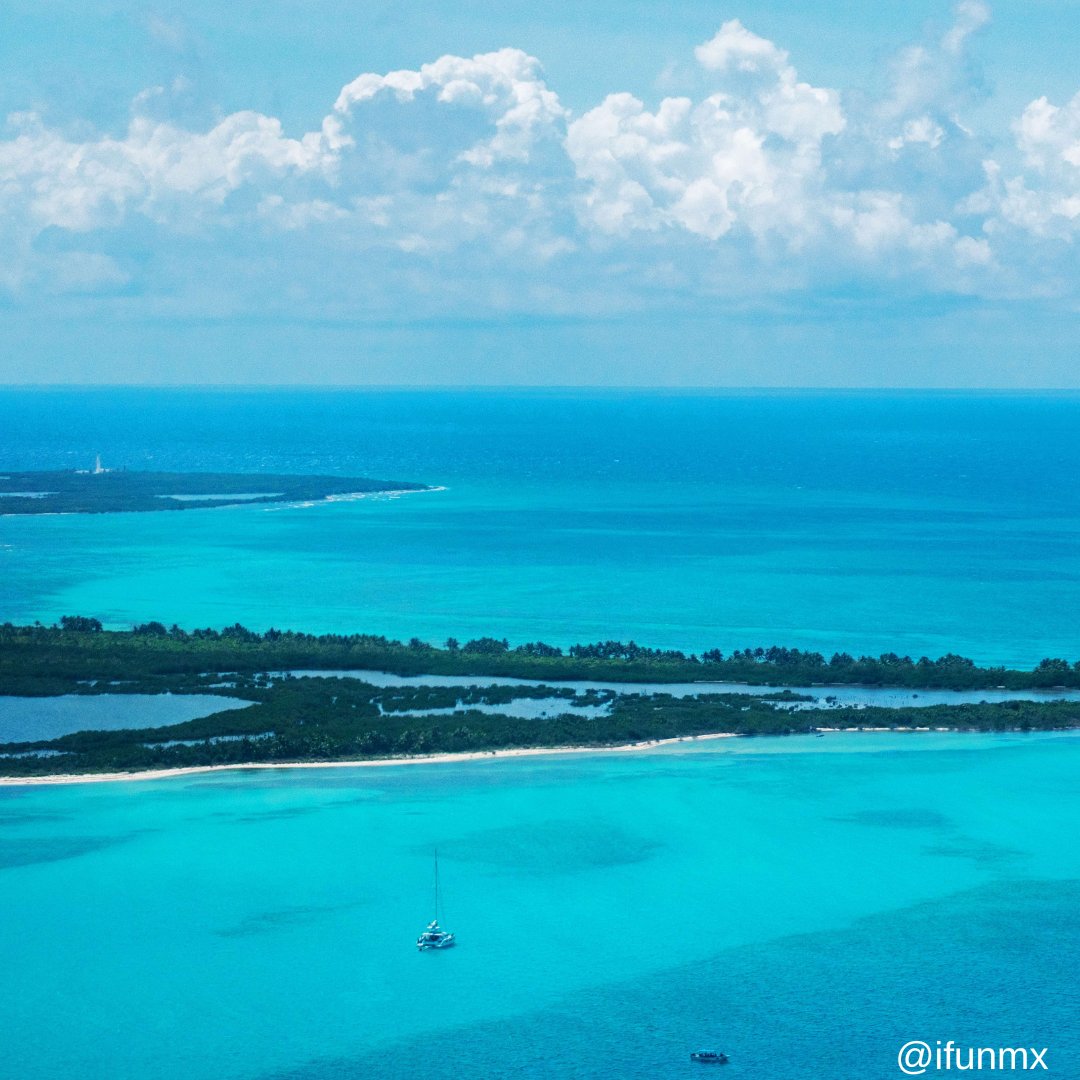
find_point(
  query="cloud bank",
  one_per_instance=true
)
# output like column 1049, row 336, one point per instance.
column 467, row 186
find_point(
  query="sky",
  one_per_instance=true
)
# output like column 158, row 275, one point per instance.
column 798, row 193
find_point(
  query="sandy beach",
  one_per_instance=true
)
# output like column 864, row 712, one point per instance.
column 419, row 759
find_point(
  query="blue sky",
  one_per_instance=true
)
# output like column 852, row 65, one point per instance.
column 791, row 194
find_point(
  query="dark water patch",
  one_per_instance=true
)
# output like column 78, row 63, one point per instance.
column 983, row 852
column 915, row 818
column 270, row 778
column 990, row 967
column 13, row 816
column 19, row 851
column 555, row 847
column 268, row 922
column 279, row 813
column 243, row 780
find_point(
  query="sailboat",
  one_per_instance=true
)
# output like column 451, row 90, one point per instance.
column 433, row 936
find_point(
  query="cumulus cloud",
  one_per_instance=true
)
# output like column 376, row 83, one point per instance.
column 704, row 166
column 736, row 47
column 916, row 137
column 1050, row 136
column 938, row 76
column 468, row 180
column 502, row 92
column 920, row 130
column 771, row 159
column 1042, row 196
column 156, row 169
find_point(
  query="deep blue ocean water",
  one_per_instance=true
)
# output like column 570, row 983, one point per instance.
column 807, row 905
column 860, row 522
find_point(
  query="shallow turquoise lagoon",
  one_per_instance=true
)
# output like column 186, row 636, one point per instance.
column 808, row 905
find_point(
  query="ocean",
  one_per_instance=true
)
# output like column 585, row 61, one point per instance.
column 806, row 905
column 910, row 523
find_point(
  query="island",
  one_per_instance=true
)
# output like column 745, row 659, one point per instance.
column 102, row 491
column 289, row 697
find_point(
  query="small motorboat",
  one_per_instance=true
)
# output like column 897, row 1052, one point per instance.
column 709, row 1057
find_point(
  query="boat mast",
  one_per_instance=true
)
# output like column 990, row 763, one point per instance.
column 436, row 885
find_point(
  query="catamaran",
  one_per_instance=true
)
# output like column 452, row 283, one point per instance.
column 433, row 936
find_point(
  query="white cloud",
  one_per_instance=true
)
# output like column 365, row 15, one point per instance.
column 92, row 184
column 1042, row 196
column 973, row 252
column 503, row 91
column 1049, row 136
column 736, row 47
column 742, row 154
column 468, row 182
column 971, row 15
column 936, row 80
column 920, row 130
column 879, row 222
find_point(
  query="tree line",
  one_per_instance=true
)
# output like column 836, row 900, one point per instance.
column 79, row 647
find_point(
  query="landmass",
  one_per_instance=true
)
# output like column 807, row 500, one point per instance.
column 104, row 491
column 315, row 717
column 33, row 658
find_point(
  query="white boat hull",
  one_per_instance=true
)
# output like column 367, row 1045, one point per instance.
column 445, row 943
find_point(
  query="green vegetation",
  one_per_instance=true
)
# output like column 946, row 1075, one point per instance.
column 110, row 492
column 326, row 719
column 54, row 660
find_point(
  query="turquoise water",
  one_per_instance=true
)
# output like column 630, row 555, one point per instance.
column 861, row 522
column 808, row 905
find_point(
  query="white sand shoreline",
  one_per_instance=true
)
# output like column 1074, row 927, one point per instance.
column 418, row 759
column 486, row 755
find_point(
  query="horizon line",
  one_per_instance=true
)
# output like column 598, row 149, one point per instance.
column 540, row 388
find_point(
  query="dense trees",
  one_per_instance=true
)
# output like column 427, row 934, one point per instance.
column 538, row 648
column 79, row 648
column 284, row 718
column 486, row 646
column 326, row 719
